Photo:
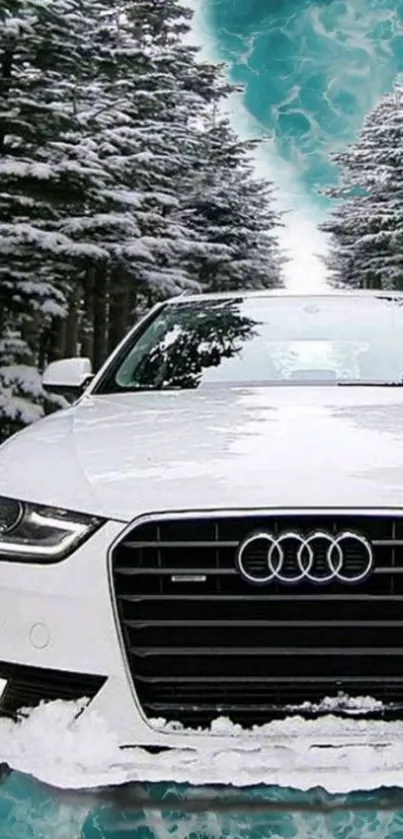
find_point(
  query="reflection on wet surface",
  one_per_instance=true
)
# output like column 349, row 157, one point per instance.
column 29, row 810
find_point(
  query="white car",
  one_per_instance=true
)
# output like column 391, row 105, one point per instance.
column 215, row 527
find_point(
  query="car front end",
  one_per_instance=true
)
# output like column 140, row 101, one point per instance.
column 183, row 557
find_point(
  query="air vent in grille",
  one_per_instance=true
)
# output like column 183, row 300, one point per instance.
column 203, row 642
column 28, row 686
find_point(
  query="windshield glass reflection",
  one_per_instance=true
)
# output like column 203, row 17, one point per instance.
column 266, row 340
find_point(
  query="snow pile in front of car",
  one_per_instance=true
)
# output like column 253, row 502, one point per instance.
column 350, row 705
column 342, row 702
column 342, row 755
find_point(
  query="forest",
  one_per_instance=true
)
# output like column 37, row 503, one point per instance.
column 123, row 183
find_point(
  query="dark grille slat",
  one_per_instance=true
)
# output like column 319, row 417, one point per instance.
column 229, row 543
column 232, row 572
column 201, row 641
column 392, row 570
column 255, row 624
column 145, row 652
column 209, row 708
column 171, row 572
column 397, row 543
column 196, row 713
column 174, row 544
column 221, row 612
column 28, row 686
column 326, row 681
column 338, row 668
column 225, row 707
column 135, row 598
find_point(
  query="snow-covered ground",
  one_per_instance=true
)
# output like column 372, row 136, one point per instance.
column 82, row 753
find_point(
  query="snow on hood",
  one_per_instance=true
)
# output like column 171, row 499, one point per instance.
column 123, row 455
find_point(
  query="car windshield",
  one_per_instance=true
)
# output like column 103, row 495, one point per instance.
column 264, row 341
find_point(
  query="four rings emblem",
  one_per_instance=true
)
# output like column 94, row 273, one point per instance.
column 290, row 557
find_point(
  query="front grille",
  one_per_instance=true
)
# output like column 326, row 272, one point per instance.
column 28, row 686
column 201, row 641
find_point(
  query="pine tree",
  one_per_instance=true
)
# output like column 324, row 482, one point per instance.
column 119, row 186
column 232, row 212
column 366, row 228
column 22, row 397
column 148, row 135
column 39, row 51
column 135, row 123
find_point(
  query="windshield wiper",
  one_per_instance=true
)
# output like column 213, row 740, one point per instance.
column 359, row 383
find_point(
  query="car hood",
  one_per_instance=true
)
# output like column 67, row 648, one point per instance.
column 122, row 455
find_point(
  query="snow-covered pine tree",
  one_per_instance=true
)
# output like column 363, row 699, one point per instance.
column 100, row 150
column 147, row 124
column 232, row 211
column 43, row 49
column 366, row 226
column 22, row 397
column 135, row 121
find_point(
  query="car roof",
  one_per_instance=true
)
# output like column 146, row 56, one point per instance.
column 231, row 295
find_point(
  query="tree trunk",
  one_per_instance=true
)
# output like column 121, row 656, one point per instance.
column 29, row 333
column 71, row 331
column 100, row 347
column 132, row 305
column 118, row 312
column 87, row 324
column 52, row 344
column 371, row 283
column 6, row 70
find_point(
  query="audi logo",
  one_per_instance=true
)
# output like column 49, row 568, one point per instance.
column 320, row 558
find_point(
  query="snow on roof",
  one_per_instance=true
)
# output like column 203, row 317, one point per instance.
column 230, row 295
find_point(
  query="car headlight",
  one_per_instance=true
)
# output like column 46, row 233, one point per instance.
column 34, row 533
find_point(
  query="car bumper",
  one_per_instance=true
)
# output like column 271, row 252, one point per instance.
column 60, row 619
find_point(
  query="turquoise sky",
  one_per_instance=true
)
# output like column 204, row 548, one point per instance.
column 311, row 70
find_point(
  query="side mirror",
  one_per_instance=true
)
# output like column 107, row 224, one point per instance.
column 67, row 377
